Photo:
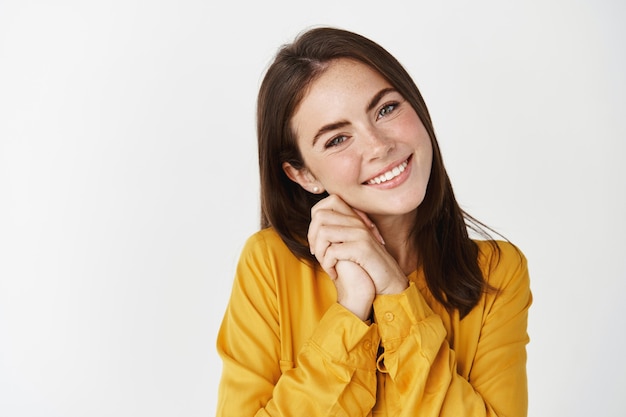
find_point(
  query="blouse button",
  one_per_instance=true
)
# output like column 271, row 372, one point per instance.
column 389, row 316
column 367, row 345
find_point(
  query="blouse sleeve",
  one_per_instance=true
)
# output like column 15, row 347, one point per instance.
column 334, row 373
column 421, row 368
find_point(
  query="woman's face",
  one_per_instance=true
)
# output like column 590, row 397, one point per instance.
column 360, row 139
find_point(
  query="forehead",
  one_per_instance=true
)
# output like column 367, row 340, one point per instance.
column 345, row 75
column 346, row 86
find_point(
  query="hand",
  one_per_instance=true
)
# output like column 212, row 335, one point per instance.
column 340, row 233
column 355, row 289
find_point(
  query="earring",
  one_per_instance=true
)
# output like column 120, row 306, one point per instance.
column 315, row 189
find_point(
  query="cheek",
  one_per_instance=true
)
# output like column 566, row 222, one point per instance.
column 336, row 173
column 427, row 146
column 412, row 126
column 421, row 138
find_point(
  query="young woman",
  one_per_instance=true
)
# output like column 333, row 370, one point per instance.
column 363, row 293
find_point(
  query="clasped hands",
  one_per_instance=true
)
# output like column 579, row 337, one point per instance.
column 350, row 248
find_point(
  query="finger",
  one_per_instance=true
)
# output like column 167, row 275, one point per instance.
column 334, row 221
column 329, row 212
column 336, row 204
column 371, row 225
column 331, row 271
column 339, row 252
column 338, row 234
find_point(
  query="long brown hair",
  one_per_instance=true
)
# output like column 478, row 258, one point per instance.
column 445, row 251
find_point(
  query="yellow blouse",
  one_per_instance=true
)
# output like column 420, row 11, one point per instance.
column 289, row 349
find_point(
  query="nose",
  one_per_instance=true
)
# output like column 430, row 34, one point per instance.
column 377, row 144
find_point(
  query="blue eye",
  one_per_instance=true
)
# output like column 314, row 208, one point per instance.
column 337, row 140
column 386, row 109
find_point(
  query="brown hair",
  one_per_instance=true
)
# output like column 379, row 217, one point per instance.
column 445, row 251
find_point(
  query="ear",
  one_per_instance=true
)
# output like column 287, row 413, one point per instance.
column 303, row 177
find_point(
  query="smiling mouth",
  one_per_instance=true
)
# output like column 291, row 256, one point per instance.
column 389, row 175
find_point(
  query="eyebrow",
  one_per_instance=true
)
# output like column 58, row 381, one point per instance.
column 328, row 128
column 338, row 125
column 374, row 101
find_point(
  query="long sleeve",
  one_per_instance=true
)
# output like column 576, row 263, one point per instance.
column 335, row 367
column 422, row 373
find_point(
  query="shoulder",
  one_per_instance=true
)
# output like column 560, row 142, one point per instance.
column 266, row 250
column 503, row 263
column 499, row 250
column 265, row 241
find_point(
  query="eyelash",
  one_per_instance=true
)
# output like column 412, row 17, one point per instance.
column 393, row 106
column 387, row 109
column 333, row 141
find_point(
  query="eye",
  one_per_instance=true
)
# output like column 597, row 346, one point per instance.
column 337, row 140
column 387, row 109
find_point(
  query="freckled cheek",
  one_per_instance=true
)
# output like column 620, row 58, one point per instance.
column 412, row 127
column 341, row 173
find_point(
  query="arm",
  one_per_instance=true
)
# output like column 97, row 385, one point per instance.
column 421, row 367
column 334, row 372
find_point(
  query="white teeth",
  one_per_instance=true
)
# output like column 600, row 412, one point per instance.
column 392, row 173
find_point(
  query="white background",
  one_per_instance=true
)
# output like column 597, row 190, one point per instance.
column 128, row 183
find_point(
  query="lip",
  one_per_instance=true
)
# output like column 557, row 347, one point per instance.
column 396, row 180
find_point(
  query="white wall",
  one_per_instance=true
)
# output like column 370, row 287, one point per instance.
column 128, row 183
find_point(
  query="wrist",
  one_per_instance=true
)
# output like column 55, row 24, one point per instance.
column 362, row 310
column 396, row 287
